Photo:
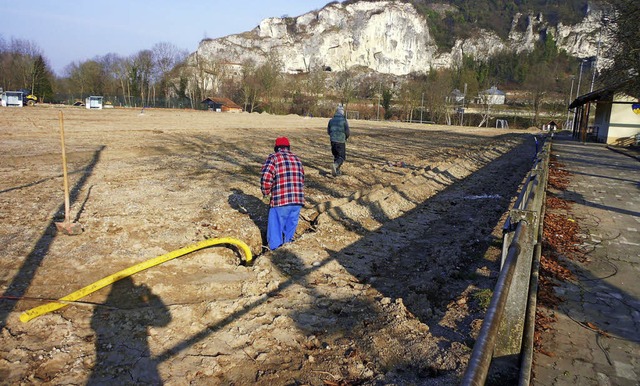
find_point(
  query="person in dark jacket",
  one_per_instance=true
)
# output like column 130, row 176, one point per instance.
column 282, row 186
column 338, row 130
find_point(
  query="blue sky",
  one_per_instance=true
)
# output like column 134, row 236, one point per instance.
column 71, row 31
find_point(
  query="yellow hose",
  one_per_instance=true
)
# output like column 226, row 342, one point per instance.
column 79, row 294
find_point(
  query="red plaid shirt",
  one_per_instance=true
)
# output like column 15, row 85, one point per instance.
column 283, row 178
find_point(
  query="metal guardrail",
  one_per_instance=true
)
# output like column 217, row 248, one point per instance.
column 507, row 330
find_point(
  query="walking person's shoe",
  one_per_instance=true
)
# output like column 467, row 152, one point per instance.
column 334, row 169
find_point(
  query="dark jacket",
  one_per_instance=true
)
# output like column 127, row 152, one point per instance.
column 338, row 128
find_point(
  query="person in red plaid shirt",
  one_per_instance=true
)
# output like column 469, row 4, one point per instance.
column 283, row 181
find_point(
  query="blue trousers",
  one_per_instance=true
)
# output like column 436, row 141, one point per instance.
column 282, row 224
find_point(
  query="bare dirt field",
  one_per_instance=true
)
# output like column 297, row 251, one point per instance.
column 385, row 282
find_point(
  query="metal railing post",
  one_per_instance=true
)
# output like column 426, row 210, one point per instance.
column 482, row 354
column 503, row 331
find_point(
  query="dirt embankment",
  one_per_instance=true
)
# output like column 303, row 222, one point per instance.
column 385, row 282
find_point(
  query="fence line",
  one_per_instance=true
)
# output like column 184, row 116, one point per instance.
column 507, row 330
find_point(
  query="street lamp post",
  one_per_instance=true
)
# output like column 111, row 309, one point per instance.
column 595, row 67
column 605, row 19
column 573, row 78
column 580, row 77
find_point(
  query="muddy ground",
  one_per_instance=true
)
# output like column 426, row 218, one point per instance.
column 385, row 283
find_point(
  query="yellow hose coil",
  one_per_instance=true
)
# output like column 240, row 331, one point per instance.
column 79, row 294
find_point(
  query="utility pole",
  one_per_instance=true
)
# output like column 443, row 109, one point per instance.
column 464, row 98
column 379, row 95
column 421, row 107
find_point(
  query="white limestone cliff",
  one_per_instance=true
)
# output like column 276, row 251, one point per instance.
column 385, row 36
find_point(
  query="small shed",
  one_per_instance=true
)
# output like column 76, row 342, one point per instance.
column 492, row 96
column 456, row 96
column 224, row 105
column 615, row 121
column 93, row 102
column 12, row 99
column 551, row 126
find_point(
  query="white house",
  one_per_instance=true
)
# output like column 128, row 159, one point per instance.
column 492, row 96
column 616, row 120
column 456, row 96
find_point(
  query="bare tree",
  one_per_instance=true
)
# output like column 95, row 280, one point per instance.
column 539, row 81
column 143, row 67
column 202, row 81
column 115, row 75
column 24, row 59
column 485, row 112
column 316, row 86
column 88, row 78
column 345, row 84
column 249, row 85
column 410, row 96
column 18, row 63
column 4, row 61
column 121, row 69
column 268, row 76
column 166, row 57
column 438, row 87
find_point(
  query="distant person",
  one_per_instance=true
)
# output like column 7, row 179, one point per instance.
column 338, row 130
column 282, row 186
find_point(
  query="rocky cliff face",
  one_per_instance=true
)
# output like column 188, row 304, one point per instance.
column 385, row 36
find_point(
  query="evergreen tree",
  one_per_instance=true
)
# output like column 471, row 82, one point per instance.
column 622, row 28
column 387, row 94
column 41, row 85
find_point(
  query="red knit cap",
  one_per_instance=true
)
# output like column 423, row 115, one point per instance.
column 282, row 141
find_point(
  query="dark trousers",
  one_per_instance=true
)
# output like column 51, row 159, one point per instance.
column 339, row 151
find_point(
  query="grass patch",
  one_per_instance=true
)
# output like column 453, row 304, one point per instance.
column 483, row 298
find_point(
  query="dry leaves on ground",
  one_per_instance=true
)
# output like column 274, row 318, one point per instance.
column 558, row 177
column 560, row 239
column 556, row 203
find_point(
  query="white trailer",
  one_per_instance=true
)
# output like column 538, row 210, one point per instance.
column 12, row 99
column 94, row 102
